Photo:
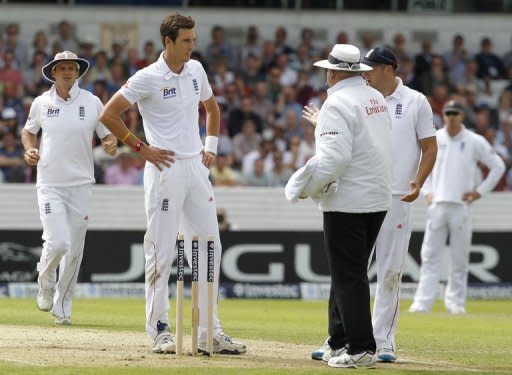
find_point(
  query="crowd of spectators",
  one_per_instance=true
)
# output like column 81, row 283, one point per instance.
column 261, row 87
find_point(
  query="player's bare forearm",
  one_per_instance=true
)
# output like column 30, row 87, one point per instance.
column 212, row 116
column 29, row 141
column 111, row 115
column 428, row 159
column 212, row 128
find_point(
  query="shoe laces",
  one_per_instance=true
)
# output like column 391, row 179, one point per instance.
column 163, row 338
column 46, row 293
column 223, row 337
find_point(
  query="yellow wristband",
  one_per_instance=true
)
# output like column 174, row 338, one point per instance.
column 126, row 136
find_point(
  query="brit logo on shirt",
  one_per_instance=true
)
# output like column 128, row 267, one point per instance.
column 398, row 110
column 168, row 92
column 52, row 112
column 81, row 112
column 196, row 85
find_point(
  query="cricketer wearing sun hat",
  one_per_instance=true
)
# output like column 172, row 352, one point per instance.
column 350, row 179
column 82, row 64
column 67, row 117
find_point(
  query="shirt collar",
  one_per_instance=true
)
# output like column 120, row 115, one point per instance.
column 397, row 94
column 73, row 93
column 459, row 135
column 347, row 82
column 168, row 73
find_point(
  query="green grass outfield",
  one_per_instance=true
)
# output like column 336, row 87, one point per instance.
column 435, row 343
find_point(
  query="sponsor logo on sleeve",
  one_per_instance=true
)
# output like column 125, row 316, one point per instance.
column 327, row 132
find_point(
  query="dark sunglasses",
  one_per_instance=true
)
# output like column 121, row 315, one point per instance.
column 451, row 113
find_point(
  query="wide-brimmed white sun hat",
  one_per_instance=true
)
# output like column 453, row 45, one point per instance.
column 344, row 57
column 64, row 57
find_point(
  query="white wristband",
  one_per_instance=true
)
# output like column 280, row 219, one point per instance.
column 210, row 144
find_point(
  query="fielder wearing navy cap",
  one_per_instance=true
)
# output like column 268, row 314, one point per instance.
column 453, row 106
column 380, row 56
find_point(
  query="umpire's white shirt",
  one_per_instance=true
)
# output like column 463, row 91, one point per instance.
column 412, row 120
column 65, row 152
column 168, row 103
column 456, row 166
column 353, row 148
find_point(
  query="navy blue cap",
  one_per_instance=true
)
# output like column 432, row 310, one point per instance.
column 453, row 106
column 379, row 55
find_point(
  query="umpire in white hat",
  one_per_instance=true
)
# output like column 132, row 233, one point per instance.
column 349, row 177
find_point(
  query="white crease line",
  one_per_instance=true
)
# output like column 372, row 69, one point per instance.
column 21, row 361
column 448, row 366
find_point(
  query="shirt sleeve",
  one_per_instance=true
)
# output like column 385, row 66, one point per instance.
column 101, row 130
column 334, row 148
column 206, row 89
column 136, row 88
column 489, row 157
column 33, row 123
column 425, row 122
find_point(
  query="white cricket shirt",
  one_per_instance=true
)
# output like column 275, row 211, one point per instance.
column 169, row 105
column 411, row 121
column 456, row 166
column 353, row 148
column 65, row 152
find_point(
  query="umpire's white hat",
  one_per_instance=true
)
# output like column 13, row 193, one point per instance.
column 83, row 64
column 344, row 57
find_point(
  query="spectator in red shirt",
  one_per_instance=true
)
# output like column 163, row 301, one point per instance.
column 10, row 74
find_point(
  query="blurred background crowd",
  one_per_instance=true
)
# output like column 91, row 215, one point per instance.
column 261, row 87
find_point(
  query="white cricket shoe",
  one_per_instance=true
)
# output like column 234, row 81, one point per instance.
column 318, row 354
column 417, row 308
column 386, row 355
column 223, row 344
column 456, row 310
column 163, row 341
column 44, row 299
column 62, row 321
column 333, row 353
column 364, row 359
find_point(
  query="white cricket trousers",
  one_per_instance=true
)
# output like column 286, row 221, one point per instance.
column 445, row 218
column 64, row 214
column 391, row 249
column 178, row 198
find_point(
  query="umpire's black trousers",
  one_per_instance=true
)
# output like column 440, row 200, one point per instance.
column 349, row 238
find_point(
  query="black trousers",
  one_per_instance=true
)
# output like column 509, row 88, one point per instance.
column 349, row 239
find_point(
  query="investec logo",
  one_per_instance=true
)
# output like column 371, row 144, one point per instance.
column 168, row 92
column 52, row 112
